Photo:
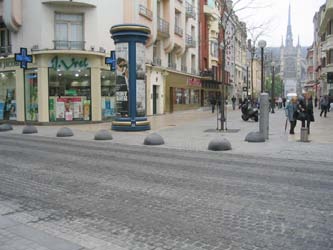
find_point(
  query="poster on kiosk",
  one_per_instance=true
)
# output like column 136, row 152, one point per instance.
column 122, row 81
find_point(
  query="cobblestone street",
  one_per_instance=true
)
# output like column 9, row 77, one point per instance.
column 104, row 196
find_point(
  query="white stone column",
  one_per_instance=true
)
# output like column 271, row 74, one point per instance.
column 96, row 99
column 43, row 94
column 20, row 109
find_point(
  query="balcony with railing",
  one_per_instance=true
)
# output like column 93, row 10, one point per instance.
column 183, row 68
column 162, row 27
column 190, row 42
column 172, row 65
column 157, row 61
column 190, row 10
column 5, row 50
column 178, row 30
column 143, row 11
column 77, row 3
column 70, row 45
column 207, row 73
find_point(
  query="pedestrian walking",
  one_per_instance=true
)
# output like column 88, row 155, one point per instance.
column 291, row 114
column 212, row 103
column 233, row 99
column 284, row 100
column 305, row 111
column 240, row 102
column 219, row 102
column 279, row 102
column 316, row 101
column 323, row 105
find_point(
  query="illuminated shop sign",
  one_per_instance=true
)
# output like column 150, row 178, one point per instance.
column 194, row 82
column 68, row 63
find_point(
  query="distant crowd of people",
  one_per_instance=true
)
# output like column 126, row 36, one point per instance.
column 297, row 109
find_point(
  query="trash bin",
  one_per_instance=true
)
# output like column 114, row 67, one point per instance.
column 304, row 135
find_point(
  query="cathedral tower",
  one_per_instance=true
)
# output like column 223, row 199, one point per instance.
column 289, row 37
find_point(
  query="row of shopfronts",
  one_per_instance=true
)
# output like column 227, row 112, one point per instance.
column 80, row 87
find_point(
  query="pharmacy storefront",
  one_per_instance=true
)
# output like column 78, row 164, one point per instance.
column 8, row 89
column 58, row 87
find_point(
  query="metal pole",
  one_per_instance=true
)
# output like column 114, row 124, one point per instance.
column 262, row 70
column 247, row 81
column 222, row 86
column 273, row 82
column 217, row 113
column 252, row 55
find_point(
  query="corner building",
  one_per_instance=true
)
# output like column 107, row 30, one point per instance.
column 69, row 41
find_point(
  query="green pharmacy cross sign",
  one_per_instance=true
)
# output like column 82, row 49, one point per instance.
column 111, row 60
column 23, row 58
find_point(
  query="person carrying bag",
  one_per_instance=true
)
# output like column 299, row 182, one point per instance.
column 305, row 111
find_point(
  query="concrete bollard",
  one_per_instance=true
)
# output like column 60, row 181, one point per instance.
column 264, row 115
column 304, row 135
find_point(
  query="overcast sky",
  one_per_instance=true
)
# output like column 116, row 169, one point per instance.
column 275, row 14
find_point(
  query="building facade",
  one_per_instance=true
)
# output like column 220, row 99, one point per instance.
column 68, row 79
column 222, row 49
column 325, row 15
column 210, row 51
column 173, row 81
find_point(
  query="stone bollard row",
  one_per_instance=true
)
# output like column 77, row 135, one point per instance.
column 219, row 144
column 5, row 127
column 255, row 137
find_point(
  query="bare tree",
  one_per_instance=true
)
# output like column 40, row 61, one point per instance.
column 228, row 18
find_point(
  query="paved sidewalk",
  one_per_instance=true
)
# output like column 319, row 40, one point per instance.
column 15, row 236
column 190, row 130
column 194, row 129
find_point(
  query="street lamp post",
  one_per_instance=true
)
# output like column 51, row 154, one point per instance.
column 262, row 45
column 247, row 81
column 252, row 51
column 222, row 120
column 273, row 82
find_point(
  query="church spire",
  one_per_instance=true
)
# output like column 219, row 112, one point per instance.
column 289, row 24
column 289, row 37
column 298, row 42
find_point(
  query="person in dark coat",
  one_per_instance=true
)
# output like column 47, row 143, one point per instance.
column 323, row 105
column 212, row 103
column 284, row 100
column 305, row 111
column 233, row 99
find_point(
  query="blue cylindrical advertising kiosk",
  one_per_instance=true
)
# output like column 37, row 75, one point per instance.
column 130, row 42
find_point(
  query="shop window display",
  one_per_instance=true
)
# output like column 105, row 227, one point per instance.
column 69, row 94
column 182, row 96
column 7, row 96
column 186, row 96
column 194, row 96
column 108, row 90
column 31, row 95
